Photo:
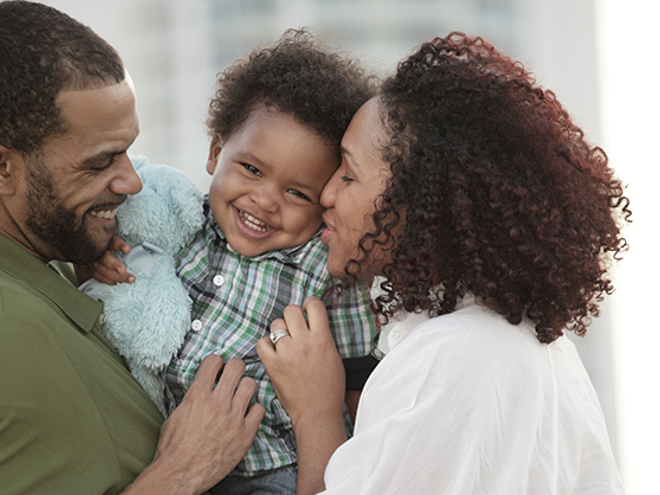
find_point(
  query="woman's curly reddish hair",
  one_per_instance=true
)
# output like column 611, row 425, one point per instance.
column 502, row 195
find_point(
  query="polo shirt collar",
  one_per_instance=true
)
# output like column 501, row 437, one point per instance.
column 20, row 264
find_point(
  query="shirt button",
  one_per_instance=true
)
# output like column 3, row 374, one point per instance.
column 101, row 319
column 395, row 334
column 196, row 325
column 218, row 280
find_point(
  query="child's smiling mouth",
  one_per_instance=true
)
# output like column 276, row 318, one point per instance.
column 251, row 225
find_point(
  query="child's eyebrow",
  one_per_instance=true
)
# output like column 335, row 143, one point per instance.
column 248, row 155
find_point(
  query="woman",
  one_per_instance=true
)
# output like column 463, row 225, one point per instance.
column 493, row 222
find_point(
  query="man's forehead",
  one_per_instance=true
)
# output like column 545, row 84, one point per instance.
column 103, row 93
column 96, row 121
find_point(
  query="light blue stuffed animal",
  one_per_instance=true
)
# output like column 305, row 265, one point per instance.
column 146, row 321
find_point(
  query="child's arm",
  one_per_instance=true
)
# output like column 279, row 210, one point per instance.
column 108, row 269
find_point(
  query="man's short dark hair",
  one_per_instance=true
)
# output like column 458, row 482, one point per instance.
column 43, row 52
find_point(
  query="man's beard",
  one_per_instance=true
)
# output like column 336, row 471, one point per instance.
column 53, row 223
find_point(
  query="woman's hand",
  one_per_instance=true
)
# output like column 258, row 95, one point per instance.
column 308, row 376
column 206, row 435
column 304, row 366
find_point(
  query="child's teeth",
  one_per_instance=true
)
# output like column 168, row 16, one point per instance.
column 255, row 223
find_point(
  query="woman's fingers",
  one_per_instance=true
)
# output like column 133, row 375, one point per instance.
column 317, row 315
column 295, row 321
column 305, row 368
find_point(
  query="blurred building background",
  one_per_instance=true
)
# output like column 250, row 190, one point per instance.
column 592, row 53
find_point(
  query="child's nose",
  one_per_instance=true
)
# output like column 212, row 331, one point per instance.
column 266, row 199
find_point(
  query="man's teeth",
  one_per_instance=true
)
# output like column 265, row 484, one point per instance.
column 106, row 214
column 254, row 223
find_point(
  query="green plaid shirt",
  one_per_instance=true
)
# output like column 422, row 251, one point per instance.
column 235, row 298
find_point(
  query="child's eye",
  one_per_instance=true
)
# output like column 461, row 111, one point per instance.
column 298, row 194
column 252, row 169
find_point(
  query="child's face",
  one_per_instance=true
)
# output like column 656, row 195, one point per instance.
column 267, row 180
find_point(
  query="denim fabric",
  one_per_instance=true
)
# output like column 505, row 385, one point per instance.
column 276, row 482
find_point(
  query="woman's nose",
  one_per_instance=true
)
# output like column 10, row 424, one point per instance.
column 329, row 192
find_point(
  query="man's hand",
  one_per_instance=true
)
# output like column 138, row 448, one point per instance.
column 206, row 435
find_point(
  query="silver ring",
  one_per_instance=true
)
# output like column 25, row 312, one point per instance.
column 277, row 335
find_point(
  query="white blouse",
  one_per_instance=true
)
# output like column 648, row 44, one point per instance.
column 467, row 403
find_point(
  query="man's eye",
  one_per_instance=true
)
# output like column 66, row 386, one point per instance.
column 251, row 169
column 104, row 166
column 299, row 194
column 346, row 178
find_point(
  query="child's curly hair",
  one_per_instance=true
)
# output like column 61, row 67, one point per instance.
column 298, row 74
column 501, row 194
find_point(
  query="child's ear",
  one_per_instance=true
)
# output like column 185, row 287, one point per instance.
column 214, row 151
column 11, row 168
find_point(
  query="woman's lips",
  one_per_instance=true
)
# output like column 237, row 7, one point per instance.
column 327, row 233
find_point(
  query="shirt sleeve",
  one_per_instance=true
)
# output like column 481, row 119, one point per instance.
column 352, row 323
column 358, row 370
column 58, row 434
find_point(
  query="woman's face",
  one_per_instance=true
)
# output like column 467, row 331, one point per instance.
column 351, row 193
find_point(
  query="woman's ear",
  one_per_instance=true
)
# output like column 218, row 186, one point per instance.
column 12, row 165
column 214, row 150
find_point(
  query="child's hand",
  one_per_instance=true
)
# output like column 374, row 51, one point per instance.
column 109, row 270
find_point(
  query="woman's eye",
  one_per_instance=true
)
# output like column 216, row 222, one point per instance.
column 251, row 169
column 298, row 194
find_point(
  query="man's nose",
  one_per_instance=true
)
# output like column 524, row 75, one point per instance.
column 127, row 180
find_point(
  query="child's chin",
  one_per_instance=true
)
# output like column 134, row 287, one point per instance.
column 248, row 250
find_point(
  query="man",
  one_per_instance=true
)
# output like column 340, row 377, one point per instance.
column 72, row 419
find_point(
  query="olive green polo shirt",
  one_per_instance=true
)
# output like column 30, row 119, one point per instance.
column 72, row 418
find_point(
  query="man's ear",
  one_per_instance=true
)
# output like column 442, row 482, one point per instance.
column 12, row 167
column 214, row 150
